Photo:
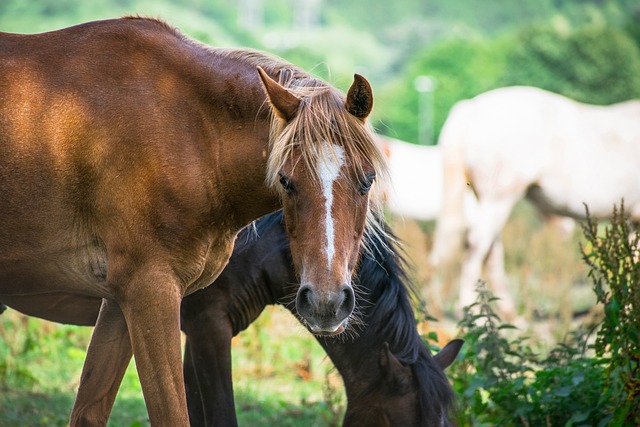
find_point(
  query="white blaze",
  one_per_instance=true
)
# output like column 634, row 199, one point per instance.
column 329, row 170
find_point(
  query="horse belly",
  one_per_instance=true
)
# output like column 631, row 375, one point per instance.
column 42, row 270
column 57, row 307
column 600, row 188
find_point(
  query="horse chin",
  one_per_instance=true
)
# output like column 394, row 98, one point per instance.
column 319, row 331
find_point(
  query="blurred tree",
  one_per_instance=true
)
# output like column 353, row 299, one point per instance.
column 461, row 68
column 632, row 26
column 594, row 64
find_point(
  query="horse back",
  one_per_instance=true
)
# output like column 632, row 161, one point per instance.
column 79, row 115
column 95, row 81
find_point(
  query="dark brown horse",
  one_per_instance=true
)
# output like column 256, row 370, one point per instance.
column 131, row 156
column 390, row 377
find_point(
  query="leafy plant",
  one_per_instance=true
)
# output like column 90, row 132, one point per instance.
column 615, row 271
column 502, row 381
column 580, row 64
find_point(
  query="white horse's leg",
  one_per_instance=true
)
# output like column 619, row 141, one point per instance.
column 483, row 233
column 497, row 275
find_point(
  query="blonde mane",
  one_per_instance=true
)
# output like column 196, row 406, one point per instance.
column 322, row 117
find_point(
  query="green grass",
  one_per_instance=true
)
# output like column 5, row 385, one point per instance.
column 40, row 365
column 281, row 375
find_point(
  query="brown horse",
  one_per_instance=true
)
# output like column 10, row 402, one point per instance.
column 390, row 376
column 130, row 157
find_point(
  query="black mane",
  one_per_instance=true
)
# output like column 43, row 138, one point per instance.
column 385, row 294
column 382, row 278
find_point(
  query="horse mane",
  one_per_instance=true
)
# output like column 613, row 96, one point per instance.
column 389, row 289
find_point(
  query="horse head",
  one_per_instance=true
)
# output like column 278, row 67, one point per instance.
column 396, row 401
column 323, row 163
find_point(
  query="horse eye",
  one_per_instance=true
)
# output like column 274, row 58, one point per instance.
column 366, row 183
column 287, row 186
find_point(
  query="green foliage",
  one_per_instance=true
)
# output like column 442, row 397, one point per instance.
column 501, row 381
column 28, row 346
column 462, row 68
column 615, row 271
column 594, row 64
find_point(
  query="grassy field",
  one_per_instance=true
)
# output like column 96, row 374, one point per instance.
column 281, row 375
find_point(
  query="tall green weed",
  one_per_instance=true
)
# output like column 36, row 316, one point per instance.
column 614, row 261
column 591, row 378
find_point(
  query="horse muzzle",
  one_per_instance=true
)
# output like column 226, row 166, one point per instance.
column 328, row 312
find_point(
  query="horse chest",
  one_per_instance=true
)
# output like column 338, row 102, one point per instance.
column 214, row 261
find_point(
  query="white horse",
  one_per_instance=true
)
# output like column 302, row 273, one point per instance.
column 416, row 180
column 523, row 142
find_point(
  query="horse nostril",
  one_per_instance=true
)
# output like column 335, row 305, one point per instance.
column 305, row 300
column 347, row 300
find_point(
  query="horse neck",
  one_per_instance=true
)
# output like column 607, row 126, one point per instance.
column 259, row 273
column 239, row 124
column 360, row 375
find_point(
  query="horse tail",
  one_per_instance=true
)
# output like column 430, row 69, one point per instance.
column 451, row 225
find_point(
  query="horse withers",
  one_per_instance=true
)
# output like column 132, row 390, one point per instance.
column 131, row 156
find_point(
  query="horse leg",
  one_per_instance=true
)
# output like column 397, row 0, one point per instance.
column 208, row 377
column 151, row 306
column 494, row 266
column 484, row 231
column 107, row 359
column 195, row 404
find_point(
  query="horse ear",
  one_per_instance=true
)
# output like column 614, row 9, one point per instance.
column 448, row 354
column 397, row 375
column 284, row 103
column 359, row 98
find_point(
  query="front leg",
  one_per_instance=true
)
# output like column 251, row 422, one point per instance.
column 145, row 318
column 106, row 362
column 151, row 307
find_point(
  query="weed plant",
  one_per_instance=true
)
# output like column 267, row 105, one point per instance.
column 581, row 382
column 615, row 271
